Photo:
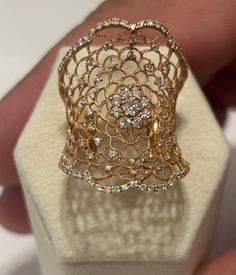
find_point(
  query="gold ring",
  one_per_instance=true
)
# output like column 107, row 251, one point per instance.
column 120, row 85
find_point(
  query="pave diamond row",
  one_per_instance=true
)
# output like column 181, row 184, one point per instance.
column 86, row 175
column 117, row 22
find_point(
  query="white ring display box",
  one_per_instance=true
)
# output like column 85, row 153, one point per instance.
column 80, row 230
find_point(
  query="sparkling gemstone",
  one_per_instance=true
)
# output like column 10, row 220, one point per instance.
column 133, row 172
column 166, row 68
column 98, row 78
column 77, row 174
column 80, row 125
column 125, row 92
column 133, row 26
column 99, row 187
column 116, row 99
column 159, row 165
column 143, row 187
column 137, row 93
column 81, row 142
column 131, row 107
column 151, row 154
column 92, row 94
column 87, row 176
column 90, row 62
column 81, row 82
column 125, row 186
column 132, row 161
column 108, row 46
column 97, row 140
column 137, row 122
column 91, row 126
column 116, row 112
column 89, row 111
column 144, row 102
column 133, row 182
column 156, row 47
column 150, row 187
column 158, row 81
column 108, row 167
column 167, row 156
column 112, row 63
column 165, row 114
column 149, row 67
column 124, row 122
column 160, row 142
column 90, row 155
column 131, row 55
column 145, row 114
column 112, row 153
column 132, row 40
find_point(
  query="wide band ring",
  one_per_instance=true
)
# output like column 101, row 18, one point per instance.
column 120, row 85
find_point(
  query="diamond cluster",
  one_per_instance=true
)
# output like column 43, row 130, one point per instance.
column 130, row 106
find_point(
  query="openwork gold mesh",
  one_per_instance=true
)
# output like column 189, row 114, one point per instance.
column 120, row 85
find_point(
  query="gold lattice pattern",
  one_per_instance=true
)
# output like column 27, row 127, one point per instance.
column 120, row 97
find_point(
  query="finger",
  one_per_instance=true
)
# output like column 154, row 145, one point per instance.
column 221, row 265
column 13, row 214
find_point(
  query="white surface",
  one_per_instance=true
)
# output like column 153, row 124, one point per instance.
column 27, row 29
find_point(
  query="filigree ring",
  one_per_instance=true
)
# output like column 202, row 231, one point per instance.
column 120, row 85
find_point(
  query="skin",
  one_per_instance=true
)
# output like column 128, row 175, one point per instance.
column 205, row 29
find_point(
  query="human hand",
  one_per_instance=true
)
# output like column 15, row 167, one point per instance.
column 206, row 32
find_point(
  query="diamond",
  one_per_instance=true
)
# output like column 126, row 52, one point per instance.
column 133, row 172
column 125, row 92
column 112, row 153
column 108, row 167
column 131, row 55
column 132, row 161
column 112, row 63
column 98, row 78
column 167, row 156
column 125, row 186
column 131, row 107
column 166, row 68
column 133, row 26
column 158, row 81
column 90, row 62
column 77, row 174
column 99, row 187
column 81, row 82
column 160, row 142
column 80, row 125
column 89, row 111
column 87, row 176
column 137, row 93
column 137, row 122
column 81, row 142
column 116, row 100
column 132, row 40
column 151, row 154
column 91, row 126
column 146, row 113
column 108, row 46
column 124, row 122
column 149, row 67
column 156, row 47
column 92, row 94
column 90, row 155
column 144, row 102
column 97, row 140
column 164, row 114
column 116, row 112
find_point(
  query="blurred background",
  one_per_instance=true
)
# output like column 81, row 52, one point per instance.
column 28, row 28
